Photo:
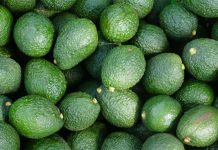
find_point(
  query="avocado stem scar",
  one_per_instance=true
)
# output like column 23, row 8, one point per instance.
column 194, row 32
column 193, row 51
column 55, row 62
column 111, row 89
column 8, row 104
column 94, row 100
column 99, row 90
column 187, row 140
column 61, row 116
column 143, row 115
column 183, row 67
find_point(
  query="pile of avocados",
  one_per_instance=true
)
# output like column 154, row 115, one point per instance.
column 108, row 74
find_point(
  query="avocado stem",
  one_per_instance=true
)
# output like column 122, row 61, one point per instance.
column 61, row 116
column 183, row 67
column 94, row 100
column 55, row 61
column 111, row 89
column 194, row 32
column 193, row 51
column 143, row 115
column 187, row 140
column 99, row 90
column 8, row 104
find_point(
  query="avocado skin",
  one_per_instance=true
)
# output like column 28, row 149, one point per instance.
column 54, row 142
column 5, row 25
column 20, row 5
column 121, row 107
column 10, row 78
column 90, row 138
column 76, row 41
column 164, row 74
column 35, row 117
column 44, row 78
column 42, row 10
column 38, row 30
column 121, row 141
column 162, row 141
column 203, row 8
column 200, row 125
column 58, row 5
column 9, row 137
column 80, row 111
column 119, row 22
column 178, row 22
column 203, row 65
column 4, row 108
column 126, row 72
column 194, row 93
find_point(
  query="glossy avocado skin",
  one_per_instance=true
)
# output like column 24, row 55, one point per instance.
column 119, row 22
column 164, row 74
column 90, row 138
column 178, row 22
column 20, row 5
column 59, row 5
column 10, row 78
column 38, row 30
column 120, row 107
column 198, row 126
column 162, row 141
column 200, row 58
column 9, row 137
column 203, row 8
column 54, row 142
column 80, row 110
column 143, row 7
column 5, row 103
column 123, row 67
column 35, row 117
column 5, row 25
column 44, row 78
column 76, row 41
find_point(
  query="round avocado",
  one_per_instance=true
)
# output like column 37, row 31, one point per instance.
column 59, row 5
column 20, row 5
column 5, row 104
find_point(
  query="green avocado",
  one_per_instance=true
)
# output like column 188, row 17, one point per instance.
column 119, row 22
column 35, row 117
column 76, row 41
column 164, row 74
column 10, row 75
column 121, row 141
column 200, row 58
column 199, row 126
column 123, row 67
column 9, row 138
column 20, row 5
column 5, row 25
column 5, row 104
column 44, row 78
column 88, row 139
column 178, row 23
column 38, row 30
column 160, row 113
column 59, row 5
column 80, row 111
column 163, row 141
column 194, row 93
column 119, row 107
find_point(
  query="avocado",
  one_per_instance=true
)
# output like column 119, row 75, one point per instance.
column 200, row 58
column 59, row 5
column 119, row 107
column 164, row 74
column 5, row 104
column 162, row 141
column 88, row 139
column 94, row 63
column 160, row 113
column 151, row 39
column 121, row 141
column 10, row 77
column 214, row 32
column 5, row 25
column 38, row 30
column 178, row 22
column 90, row 9
column 35, row 117
column 203, row 8
column 123, row 67
column 9, row 138
column 198, row 126
column 89, row 87
column 20, row 5
column 62, row 19
column 80, row 111
column 4, row 52
column 119, row 22
column 76, row 41
column 53, row 142
column 143, row 7
column 44, row 78
column 194, row 93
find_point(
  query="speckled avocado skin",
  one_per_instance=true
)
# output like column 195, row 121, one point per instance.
column 5, row 25
column 44, row 78
column 9, row 137
column 200, row 58
column 59, row 5
column 35, row 117
column 77, row 41
column 204, row 8
column 20, row 5
column 5, row 103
